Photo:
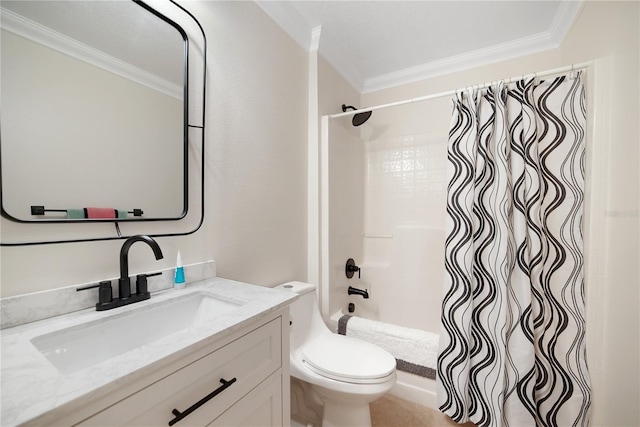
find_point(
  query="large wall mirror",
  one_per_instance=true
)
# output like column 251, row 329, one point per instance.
column 95, row 114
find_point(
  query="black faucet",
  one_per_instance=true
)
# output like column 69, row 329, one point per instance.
column 355, row 291
column 105, row 295
column 124, row 283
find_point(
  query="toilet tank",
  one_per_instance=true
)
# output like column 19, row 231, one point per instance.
column 305, row 313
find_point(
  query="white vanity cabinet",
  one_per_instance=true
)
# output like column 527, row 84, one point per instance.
column 242, row 380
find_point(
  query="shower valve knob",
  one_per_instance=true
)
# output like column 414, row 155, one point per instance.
column 351, row 268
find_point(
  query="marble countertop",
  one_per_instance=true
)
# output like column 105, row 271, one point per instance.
column 31, row 386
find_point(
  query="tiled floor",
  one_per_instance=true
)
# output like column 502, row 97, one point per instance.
column 391, row 411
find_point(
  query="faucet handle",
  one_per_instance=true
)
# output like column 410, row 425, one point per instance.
column 105, row 293
column 351, row 268
column 141, row 282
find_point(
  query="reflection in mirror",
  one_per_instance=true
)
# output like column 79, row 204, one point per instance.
column 92, row 110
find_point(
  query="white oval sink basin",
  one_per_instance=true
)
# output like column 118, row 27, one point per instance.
column 79, row 347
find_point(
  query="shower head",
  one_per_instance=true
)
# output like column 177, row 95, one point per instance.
column 359, row 118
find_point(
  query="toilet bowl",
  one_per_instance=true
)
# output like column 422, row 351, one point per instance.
column 346, row 373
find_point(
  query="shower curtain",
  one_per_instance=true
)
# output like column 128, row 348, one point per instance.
column 512, row 343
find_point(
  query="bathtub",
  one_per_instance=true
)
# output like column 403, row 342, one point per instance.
column 413, row 388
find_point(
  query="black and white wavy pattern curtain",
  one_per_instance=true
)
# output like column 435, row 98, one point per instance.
column 512, row 343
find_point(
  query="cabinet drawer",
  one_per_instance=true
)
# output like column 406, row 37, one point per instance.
column 249, row 359
column 262, row 407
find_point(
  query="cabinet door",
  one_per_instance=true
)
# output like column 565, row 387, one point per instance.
column 262, row 407
column 244, row 363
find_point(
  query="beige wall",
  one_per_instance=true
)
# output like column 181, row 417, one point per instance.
column 255, row 223
column 608, row 34
column 258, row 145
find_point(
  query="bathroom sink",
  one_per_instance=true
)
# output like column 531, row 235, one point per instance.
column 85, row 345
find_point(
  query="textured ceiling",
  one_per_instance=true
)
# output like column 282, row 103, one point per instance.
column 377, row 44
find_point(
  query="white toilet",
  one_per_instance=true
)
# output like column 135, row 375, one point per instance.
column 346, row 373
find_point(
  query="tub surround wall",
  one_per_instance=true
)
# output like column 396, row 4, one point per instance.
column 405, row 196
column 345, row 210
column 27, row 308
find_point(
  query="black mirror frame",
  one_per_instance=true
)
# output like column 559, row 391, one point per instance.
column 186, row 128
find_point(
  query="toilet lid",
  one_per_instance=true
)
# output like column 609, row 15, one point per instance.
column 348, row 359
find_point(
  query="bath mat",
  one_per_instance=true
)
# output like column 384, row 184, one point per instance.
column 415, row 351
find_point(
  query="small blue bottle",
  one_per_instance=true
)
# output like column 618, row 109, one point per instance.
column 179, row 282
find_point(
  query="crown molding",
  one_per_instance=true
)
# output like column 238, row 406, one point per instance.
column 477, row 58
column 310, row 39
column 564, row 19
column 314, row 44
column 562, row 23
column 45, row 36
column 283, row 14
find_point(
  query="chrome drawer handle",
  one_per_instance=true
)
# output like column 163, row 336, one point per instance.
column 180, row 415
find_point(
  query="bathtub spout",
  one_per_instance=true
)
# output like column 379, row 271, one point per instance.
column 355, row 291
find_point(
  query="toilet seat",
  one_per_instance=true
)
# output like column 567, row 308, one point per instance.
column 346, row 359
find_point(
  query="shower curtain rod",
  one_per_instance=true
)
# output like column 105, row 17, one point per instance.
column 567, row 68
